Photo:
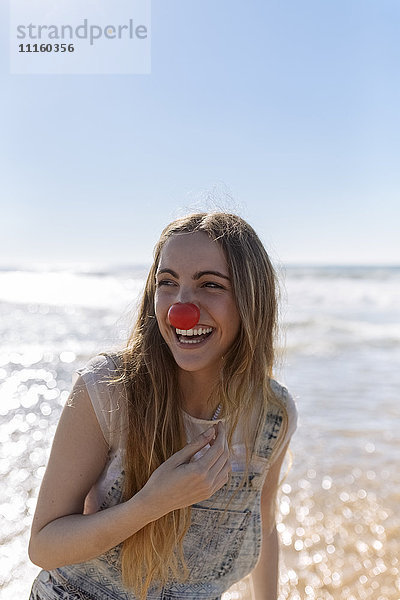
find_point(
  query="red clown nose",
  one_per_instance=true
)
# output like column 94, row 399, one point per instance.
column 183, row 316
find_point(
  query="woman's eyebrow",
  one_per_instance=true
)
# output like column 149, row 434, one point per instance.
column 196, row 276
column 170, row 271
column 217, row 273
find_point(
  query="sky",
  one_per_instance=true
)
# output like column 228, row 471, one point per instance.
column 285, row 112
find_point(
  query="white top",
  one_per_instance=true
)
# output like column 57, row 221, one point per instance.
column 112, row 418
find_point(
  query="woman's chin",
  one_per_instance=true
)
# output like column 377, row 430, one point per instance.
column 197, row 364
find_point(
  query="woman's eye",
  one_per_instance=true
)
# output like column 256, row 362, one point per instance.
column 212, row 284
column 163, row 282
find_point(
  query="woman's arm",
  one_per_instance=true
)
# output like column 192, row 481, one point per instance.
column 60, row 533
column 266, row 573
column 265, row 576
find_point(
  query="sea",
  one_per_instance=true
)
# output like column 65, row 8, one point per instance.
column 339, row 356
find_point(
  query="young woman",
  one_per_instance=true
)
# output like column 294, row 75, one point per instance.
column 165, row 465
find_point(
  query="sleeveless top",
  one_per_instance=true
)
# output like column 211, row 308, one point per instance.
column 220, row 549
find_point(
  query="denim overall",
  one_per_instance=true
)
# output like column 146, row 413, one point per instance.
column 219, row 549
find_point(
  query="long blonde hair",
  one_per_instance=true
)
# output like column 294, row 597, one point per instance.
column 154, row 555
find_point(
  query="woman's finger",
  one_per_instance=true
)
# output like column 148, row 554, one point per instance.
column 187, row 452
column 222, row 463
column 214, row 452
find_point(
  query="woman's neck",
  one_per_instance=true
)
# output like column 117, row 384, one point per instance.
column 196, row 390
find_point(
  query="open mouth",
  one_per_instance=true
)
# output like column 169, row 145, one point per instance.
column 193, row 336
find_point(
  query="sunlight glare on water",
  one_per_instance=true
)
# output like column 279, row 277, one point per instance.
column 338, row 519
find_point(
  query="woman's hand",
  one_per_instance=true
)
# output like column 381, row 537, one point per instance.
column 181, row 481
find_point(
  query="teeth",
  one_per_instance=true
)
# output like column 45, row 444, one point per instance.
column 191, row 332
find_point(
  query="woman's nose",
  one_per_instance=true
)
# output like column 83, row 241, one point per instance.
column 185, row 295
column 183, row 316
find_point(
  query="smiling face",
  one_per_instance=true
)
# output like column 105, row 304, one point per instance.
column 193, row 269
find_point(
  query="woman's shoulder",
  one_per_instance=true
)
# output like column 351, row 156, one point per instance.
column 282, row 394
column 105, row 362
column 107, row 398
column 285, row 398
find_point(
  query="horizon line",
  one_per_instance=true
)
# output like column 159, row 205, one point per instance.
column 37, row 265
